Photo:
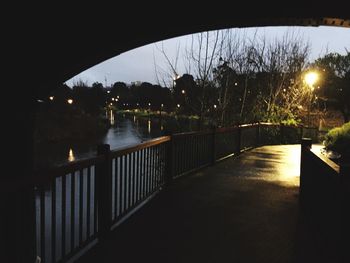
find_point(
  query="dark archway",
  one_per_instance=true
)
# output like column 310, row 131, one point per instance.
column 46, row 49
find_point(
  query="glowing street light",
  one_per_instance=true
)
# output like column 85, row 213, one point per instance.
column 215, row 106
column 70, row 101
column 311, row 78
column 183, row 91
column 178, row 105
column 51, row 97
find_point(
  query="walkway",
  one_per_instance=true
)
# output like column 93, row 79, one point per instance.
column 243, row 209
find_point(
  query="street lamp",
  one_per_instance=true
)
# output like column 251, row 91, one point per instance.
column 310, row 79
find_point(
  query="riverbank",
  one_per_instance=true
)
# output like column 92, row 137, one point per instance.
column 58, row 127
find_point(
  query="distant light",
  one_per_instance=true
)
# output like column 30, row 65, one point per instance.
column 149, row 104
column 162, row 105
column 183, row 91
column 39, row 100
column 71, row 156
column 70, row 101
column 51, row 97
column 108, row 91
column 118, row 97
column 284, row 90
column 214, row 106
column 178, row 105
column 236, row 83
column 112, row 99
column 111, row 104
column 137, row 104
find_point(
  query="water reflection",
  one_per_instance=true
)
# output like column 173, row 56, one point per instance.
column 71, row 156
column 124, row 131
column 111, row 118
column 149, row 126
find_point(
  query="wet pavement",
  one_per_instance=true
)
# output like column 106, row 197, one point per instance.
column 242, row 209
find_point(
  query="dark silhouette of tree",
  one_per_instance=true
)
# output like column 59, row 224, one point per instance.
column 335, row 81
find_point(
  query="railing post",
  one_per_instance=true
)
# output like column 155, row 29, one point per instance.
column 282, row 133
column 239, row 138
column 104, row 191
column 258, row 134
column 169, row 162
column 306, row 144
column 213, row 146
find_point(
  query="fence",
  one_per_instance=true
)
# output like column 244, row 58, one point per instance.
column 78, row 204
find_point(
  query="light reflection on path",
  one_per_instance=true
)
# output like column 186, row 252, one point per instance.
column 278, row 163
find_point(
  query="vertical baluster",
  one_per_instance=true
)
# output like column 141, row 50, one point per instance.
column 161, row 163
column 95, row 202
column 88, row 202
column 154, row 181
column 53, row 221
column 137, row 176
column 158, row 167
column 115, row 188
column 63, row 218
column 121, row 185
column 125, row 181
column 130, row 181
column 133, row 177
column 146, row 171
column 149, row 170
column 81, row 204
column 141, row 175
column 143, row 162
column 180, row 155
column 192, row 160
column 42, row 222
column 72, row 213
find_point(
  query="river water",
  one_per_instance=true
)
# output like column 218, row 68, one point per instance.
column 124, row 131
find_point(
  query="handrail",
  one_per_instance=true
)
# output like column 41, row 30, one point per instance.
column 137, row 147
column 115, row 182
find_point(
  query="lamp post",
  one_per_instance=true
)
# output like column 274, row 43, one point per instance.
column 310, row 79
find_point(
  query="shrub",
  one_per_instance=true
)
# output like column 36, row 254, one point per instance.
column 338, row 139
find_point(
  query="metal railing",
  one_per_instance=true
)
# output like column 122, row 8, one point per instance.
column 79, row 203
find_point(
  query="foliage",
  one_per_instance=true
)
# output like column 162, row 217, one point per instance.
column 335, row 82
column 338, row 139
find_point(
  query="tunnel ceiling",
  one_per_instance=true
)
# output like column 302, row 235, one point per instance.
column 62, row 46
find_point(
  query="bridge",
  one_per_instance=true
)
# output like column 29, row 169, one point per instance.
column 222, row 195
column 243, row 209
